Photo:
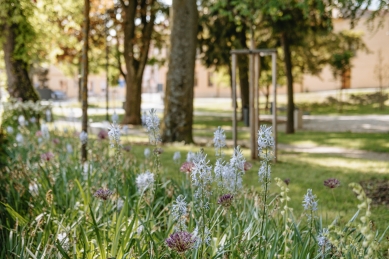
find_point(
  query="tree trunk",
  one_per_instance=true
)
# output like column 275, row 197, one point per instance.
column 178, row 113
column 136, row 59
column 288, row 71
column 85, row 71
column 243, row 65
column 19, row 83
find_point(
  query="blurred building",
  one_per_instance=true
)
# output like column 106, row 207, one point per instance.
column 210, row 83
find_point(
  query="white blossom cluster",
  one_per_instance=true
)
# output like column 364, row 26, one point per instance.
column 48, row 115
column 19, row 138
column 228, row 177
column 114, row 135
column 206, row 239
column 309, row 202
column 264, row 172
column 83, row 137
column 219, row 140
column 201, row 178
column 323, row 241
column 10, row 130
column 115, row 117
column 177, row 157
column 145, row 181
column 179, row 211
column 22, row 121
column 151, row 122
column 147, row 152
column 190, row 156
column 45, row 132
column 265, row 143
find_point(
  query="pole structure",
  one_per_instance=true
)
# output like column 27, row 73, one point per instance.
column 234, row 120
column 274, row 108
column 106, row 63
column 257, row 69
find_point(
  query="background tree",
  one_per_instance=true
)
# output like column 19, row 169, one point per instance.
column 290, row 22
column 381, row 71
column 345, row 45
column 178, row 111
column 138, row 19
column 16, row 37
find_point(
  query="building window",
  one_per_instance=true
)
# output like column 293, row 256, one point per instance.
column 210, row 83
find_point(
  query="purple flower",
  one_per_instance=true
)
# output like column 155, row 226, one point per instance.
column 47, row 156
column 56, row 141
column 103, row 134
column 181, row 241
column 331, row 183
column 103, row 194
column 225, row 200
column 287, row 181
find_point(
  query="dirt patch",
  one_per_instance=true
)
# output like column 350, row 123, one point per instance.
column 377, row 190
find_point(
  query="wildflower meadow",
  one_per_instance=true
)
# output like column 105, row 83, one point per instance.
column 119, row 205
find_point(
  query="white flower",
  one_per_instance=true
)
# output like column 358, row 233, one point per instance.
column 69, row 148
column 115, row 117
column 63, row 240
column 177, row 156
column 120, row 204
column 33, row 188
column 45, row 131
column 10, row 130
column 179, row 207
column 206, row 239
column 201, row 176
column 83, row 137
column 21, row 120
column 147, row 152
column 264, row 173
column 237, row 160
column 144, row 181
column 114, row 135
column 33, row 120
column 265, row 143
column 126, row 129
column 86, row 170
column 48, row 115
column 309, row 201
column 219, row 140
column 190, row 156
column 151, row 122
column 139, row 229
column 323, row 241
column 19, row 138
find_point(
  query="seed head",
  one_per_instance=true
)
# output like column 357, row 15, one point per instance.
column 103, row 194
column 225, row 200
column 331, row 183
column 181, row 241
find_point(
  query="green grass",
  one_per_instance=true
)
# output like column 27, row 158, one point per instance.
column 377, row 142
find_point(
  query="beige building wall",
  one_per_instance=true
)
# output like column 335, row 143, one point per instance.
column 363, row 65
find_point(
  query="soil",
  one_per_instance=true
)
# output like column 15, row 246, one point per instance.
column 377, row 190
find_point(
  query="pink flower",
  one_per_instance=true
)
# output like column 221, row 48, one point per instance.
column 186, row 167
column 247, row 166
column 103, row 134
column 47, row 156
column 38, row 134
column 56, row 141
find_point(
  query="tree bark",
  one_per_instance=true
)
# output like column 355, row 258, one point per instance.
column 18, row 80
column 289, row 76
column 85, row 67
column 178, row 112
column 136, row 62
column 243, row 66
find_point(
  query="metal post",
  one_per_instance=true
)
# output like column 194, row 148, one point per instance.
column 274, row 79
column 234, row 120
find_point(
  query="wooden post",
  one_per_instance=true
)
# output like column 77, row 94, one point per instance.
column 257, row 69
column 274, row 108
column 252, row 106
column 234, row 120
